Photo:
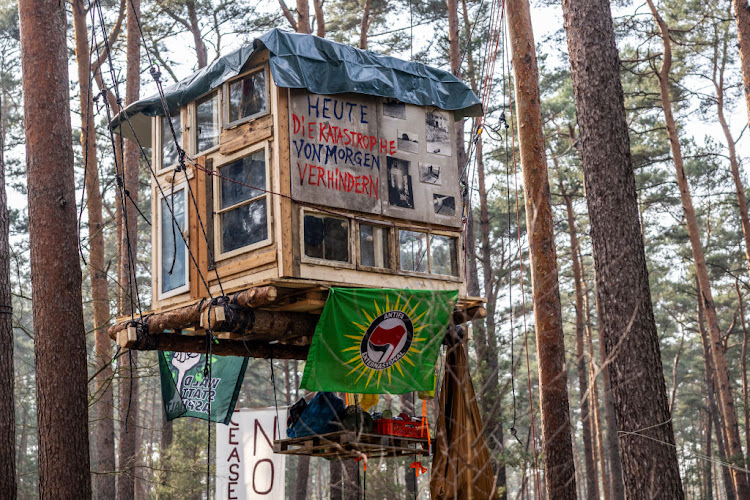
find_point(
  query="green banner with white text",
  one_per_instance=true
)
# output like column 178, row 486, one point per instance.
column 187, row 389
column 378, row 341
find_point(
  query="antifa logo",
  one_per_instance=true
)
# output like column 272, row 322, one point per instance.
column 387, row 340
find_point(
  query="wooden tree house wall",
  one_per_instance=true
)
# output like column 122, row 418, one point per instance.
column 312, row 191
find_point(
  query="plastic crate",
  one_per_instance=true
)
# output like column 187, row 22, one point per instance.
column 404, row 428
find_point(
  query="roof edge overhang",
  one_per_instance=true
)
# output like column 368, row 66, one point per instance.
column 318, row 65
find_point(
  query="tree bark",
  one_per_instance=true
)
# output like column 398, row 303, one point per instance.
column 612, row 482
column 707, row 480
column 742, row 16
column 303, row 16
column 320, row 20
column 337, row 483
column 743, row 368
column 587, row 401
column 104, row 429
column 710, row 374
column 626, row 317
column 200, row 48
column 7, row 406
column 726, row 400
column 364, row 26
column 128, row 258
column 454, row 51
column 719, row 65
column 553, row 391
column 485, row 338
column 302, row 477
column 60, row 336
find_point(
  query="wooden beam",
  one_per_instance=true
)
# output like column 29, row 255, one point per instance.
column 254, row 349
column 256, row 297
column 465, row 315
column 190, row 316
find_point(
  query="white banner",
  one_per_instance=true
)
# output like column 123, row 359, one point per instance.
column 246, row 466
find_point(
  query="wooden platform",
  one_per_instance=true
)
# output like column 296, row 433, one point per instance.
column 347, row 444
column 273, row 319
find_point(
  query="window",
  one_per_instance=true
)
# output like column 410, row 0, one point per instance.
column 412, row 251
column 441, row 259
column 374, row 250
column 242, row 205
column 173, row 272
column 207, row 121
column 443, row 255
column 248, row 97
column 326, row 237
column 169, row 155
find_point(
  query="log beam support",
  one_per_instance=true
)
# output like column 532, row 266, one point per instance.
column 238, row 323
column 176, row 342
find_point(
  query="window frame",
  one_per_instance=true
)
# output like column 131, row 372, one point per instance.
column 306, row 259
column 158, row 151
column 226, row 124
column 194, row 122
column 426, row 232
column 429, row 273
column 218, row 252
column 357, row 248
column 456, row 241
column 180, row 186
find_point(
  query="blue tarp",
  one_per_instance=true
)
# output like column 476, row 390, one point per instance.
column 323, row 67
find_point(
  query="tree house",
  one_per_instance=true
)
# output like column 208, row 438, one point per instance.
column 308, row 164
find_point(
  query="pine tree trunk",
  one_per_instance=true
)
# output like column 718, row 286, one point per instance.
column 302, row 477
column 553, row 391
column 364, row 26
column 710, row 374
column 707, row 480
column 128, row 258
column 337, row 483
column 743, row 368
column 59, row 333
column 104, row 430
column 303, row 19
column 587, row 401
column 742, row 16
column 726, row 400
column 7, row 407
column 454, row 51
column 488, row 355
column 472, row 275
column 614, row 489
column 624, row 300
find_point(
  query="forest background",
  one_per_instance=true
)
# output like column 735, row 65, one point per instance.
column 157, row 459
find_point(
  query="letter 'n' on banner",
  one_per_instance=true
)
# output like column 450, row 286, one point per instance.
column 246, row 466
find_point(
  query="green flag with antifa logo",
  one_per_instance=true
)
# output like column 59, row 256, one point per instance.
column 377, row 341
column 186, row 389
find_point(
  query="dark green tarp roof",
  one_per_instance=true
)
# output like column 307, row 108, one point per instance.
column 320, row 66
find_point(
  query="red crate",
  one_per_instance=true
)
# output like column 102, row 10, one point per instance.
column 393, row 427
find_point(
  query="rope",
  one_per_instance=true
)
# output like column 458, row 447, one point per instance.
column 275, row 400
column 209, row 368
column 84, row 149
column 513, row 429
column 119, row 172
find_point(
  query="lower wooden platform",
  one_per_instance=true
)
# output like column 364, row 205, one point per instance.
column 347, row 444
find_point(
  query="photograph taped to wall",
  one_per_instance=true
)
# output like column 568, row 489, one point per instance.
column 429, row 174
column 437, row 133
column 400, row 192
column 444, row 205
column 407, row 141
column 394, row 109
